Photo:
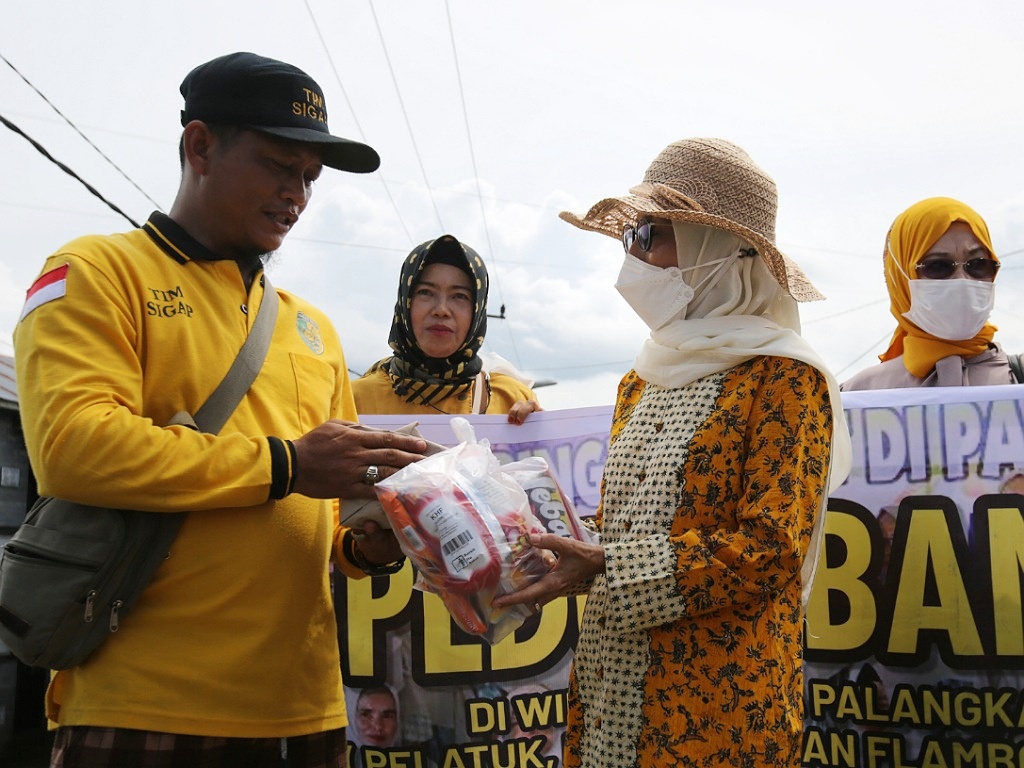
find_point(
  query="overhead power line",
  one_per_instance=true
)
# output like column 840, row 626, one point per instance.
column 405, row 116
column 75, row 128
column 351, row 109
column 476, row 176
column 856, row 359
column 476, row 172
column 42, row 150
column 834, row 315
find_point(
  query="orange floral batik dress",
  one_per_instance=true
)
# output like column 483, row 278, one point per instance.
column 690, row 647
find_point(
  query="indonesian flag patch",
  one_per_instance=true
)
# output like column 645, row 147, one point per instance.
column 47, row 287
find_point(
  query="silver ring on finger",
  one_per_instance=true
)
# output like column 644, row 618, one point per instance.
column 372, row 475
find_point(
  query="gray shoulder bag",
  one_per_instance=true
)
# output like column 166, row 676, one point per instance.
column 71, row 573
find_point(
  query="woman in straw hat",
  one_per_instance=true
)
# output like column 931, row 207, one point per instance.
column 726, row 438
column 940, row 270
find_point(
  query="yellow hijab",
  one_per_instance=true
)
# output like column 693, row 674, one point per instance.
column 915, row 231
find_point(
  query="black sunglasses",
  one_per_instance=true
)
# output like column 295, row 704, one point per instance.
column 981, row 268
column 641, row 234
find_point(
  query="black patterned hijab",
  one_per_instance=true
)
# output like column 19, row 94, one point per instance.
column 414, row 376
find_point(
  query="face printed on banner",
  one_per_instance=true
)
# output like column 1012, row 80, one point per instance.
column 1013, row 484
column 377, row 717
column 526, row 698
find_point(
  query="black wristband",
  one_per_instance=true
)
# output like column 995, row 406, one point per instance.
column 350, row 548
column 294, row 464
column 280, row 476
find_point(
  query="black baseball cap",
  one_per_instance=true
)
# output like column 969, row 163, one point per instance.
column 272, row 97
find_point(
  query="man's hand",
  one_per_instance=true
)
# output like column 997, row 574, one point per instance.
column 332, row 460
column 378, row 545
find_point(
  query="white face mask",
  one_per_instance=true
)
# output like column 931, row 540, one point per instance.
column 954, row 310
column 659, row 295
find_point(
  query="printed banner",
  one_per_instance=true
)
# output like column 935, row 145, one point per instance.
column 422, row 693
column 914, row 646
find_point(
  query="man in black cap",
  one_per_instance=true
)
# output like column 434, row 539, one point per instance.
column 232, row 647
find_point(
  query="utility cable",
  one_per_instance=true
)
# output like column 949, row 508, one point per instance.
column 359, row 128
column 617, row 363
column 59, row 164
column 86, row 138
column 476, row 173
column 850, row 364
column 405, row 116
column 834, row 315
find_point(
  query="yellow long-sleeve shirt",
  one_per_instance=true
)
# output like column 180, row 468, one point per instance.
column 236, row 634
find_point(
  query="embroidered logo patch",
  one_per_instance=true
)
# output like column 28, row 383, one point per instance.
column 310, row 333
column 47, row 287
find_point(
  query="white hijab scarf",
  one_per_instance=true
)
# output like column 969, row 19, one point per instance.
column 741, row 312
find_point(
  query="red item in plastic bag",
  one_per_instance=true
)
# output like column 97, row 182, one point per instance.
column 465, row 525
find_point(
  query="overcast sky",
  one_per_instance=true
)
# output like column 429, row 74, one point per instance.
column 490, row 118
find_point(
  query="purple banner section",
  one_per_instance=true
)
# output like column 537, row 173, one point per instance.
column 914, row 644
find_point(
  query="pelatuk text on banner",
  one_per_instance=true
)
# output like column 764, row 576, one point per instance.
column 422, row 693
column 914, row 641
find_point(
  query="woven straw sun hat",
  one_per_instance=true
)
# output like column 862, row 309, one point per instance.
column 711, row 182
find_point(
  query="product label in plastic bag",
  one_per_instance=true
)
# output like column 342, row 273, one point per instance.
column 461, row 543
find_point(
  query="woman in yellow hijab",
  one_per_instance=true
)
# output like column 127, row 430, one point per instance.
column 940, row 269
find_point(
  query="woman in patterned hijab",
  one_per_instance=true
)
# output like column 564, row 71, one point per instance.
column 437, row 331
column 415, row 376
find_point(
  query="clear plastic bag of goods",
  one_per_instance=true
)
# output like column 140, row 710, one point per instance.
column 465, row 524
